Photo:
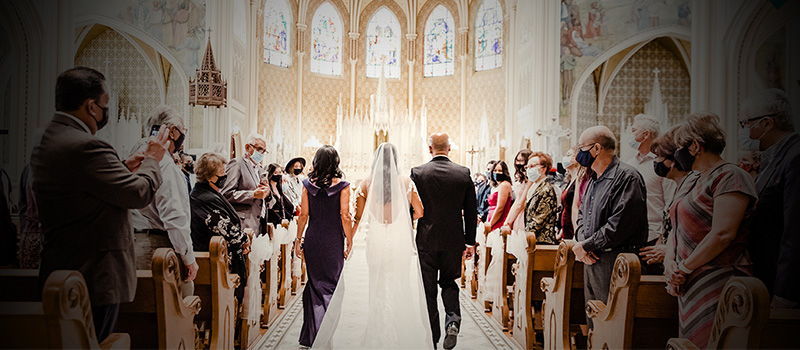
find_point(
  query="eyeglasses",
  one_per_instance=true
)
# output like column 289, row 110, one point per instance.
column 259, row 149
column 744, row 123
column 532, row 166
column 581, row 147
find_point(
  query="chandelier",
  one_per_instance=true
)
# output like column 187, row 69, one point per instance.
column 208, row 88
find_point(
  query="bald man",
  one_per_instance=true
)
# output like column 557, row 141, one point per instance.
column 617, row 191
column 445, row 233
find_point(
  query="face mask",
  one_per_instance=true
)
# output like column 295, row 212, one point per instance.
column 221, row 181
column 489, row 175
column 585, row 158
column 189, row 168
column 684, row 158
column 500, row 177
column 566, row 162
column 104, row 121
column 660, row 169
column 634, row 144
column 179, row 142
column 298, row 171
column 257, row 156
column 756, row 143
column 276, row 178
column 532, row 173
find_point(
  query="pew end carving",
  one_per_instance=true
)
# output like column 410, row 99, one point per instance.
column 215, row 286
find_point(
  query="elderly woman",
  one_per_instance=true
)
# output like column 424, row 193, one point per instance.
column 665, row 166
column 538, row 202
column 710, row 226
column 212, row 215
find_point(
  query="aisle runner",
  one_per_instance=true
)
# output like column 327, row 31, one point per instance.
column 477, row 330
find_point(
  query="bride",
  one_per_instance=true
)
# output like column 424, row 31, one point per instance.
column 396, row 313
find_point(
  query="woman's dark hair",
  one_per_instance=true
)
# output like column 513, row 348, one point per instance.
column 492, row 183
column 524, row 154
column 389, row 158
column 76, row 85
column 665, row 146
column 271, row 169
column 326, row 167
column 504, row 167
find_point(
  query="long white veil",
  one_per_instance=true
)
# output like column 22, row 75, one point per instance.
column 396, row 312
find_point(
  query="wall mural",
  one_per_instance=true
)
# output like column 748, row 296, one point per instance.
column 178, row 24
column 589, row 27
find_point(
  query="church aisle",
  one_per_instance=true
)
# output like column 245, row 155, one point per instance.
column 477, row 331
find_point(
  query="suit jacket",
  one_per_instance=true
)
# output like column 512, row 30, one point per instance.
column 238, row 190
column 775, row 230
column 446, row 191
column 84, row 192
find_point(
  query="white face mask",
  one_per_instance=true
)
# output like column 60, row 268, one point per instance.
column 566, row 162
column 532, row 173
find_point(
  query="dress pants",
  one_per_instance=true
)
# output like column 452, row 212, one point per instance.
column 145, row 244
column 597, row 279
column 442, row 268
column 105, row 320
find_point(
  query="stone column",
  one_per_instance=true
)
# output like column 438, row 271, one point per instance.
column 301, row 51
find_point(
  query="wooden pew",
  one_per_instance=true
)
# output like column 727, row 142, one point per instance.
column 25, row 282
column 744, row 319
column 159, row 317
column 215, row 286
column 500, row 306
column 563, row 307
column 61, row 320
column 271, row 281
column 526, row 298
column 639, row 314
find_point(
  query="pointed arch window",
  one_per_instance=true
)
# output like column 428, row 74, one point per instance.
column 489, row 36
column 439, row 39
column 277, row 33
column 383, row 44
column 326, row 41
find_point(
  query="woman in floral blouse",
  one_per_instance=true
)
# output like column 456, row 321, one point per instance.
column 212, row 215
column 538, row 203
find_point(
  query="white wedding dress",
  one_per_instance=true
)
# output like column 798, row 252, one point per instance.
column 394, row 316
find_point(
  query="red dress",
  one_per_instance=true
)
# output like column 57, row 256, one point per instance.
column 493, row 205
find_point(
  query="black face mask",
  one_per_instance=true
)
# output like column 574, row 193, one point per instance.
column 104, row 121
column 179, row 142
column 499, row 177
column 189, row 168
column 221, row 181
column 660, row 169
column 276, row 178
column 684, row 158
column 298, row 171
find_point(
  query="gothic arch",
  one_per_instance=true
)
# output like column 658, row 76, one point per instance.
column 640, row 39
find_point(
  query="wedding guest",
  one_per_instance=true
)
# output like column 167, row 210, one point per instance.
column 665, row 166
column 279, row 207
column 84, row 193
column 575, row 183
column 500, row 200
column 293, row 180
column 212, row 215
column 520, row 183
column 484, row 191
column 711, row 227
column 612, row 218
column 775, row 242
column 243, row 190
column 537, row 202
column 325, row 208
column 165, row 222
column 645, row 129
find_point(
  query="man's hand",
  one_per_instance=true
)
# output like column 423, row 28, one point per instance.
column 653, row 254
column 261, row 192
column 135, row 161
column 582, row 256
column 158, row 145
column 192, row 272
column 469, row 252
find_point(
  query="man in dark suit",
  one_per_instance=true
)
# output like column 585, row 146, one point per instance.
column 445, row 233
column 775, row 237
column 84, row 193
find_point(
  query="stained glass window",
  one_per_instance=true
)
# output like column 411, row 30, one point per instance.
column 489, row 36
column 277, row 33
column 439, row 39
column 326, row 41
column 383, row 44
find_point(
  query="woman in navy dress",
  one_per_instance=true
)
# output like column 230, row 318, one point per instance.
column 328, row 240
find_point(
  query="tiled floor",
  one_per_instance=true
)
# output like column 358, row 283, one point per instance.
column 477, row 330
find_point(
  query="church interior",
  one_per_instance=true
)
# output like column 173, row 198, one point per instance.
column 497, row 76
